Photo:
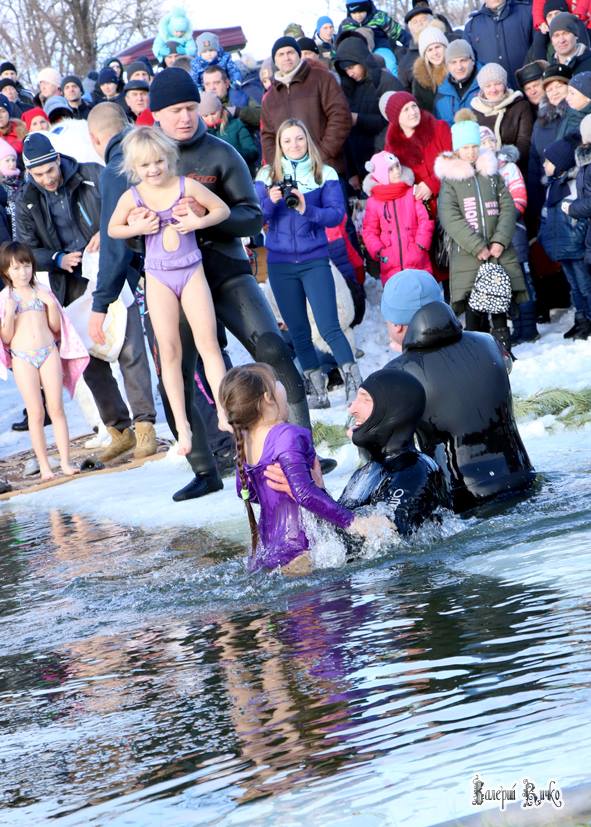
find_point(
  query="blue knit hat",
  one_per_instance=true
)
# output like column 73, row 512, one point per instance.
column 323, row 21
column 107, row 75
column 38, row 150
column 206, row 41
column 172, row 86
column 465, row 133
column 6, row 104
column 407, row 292
column 582, row 83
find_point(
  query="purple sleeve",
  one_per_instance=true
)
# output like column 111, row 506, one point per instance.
column 253, row 494
column 294, row 460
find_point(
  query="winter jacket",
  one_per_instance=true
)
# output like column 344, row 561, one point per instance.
column 425, row 83
column 238, row 136
column 386, row 31
column 580, row 208
column 397, row 229
column 6, row 222
column 468, row 423
column 451, row 96
column 544, row 133
column 185, row 45
column 35, row 225
column 81, row 113
column 315, row 97
column 248, row 109
column 367, row 136
column 502, row 38
column 281, row 532
column 223, row 60
column 476, row 210
column 407, row 57
column 562, row 236
column 581, row 62
column 117, row 262
column 580, row 8
column 515, row 183
column 15, row 134
column 293, row 237
column 571, row 122
column 510, row 119
column 430, row 139
column 409, row 484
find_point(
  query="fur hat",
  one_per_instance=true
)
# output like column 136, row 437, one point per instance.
column 585, row 128
column 458, row 48
column 531, row 71
column 392, row 103
column 50, row 75
column 557, row 71
column 564, row 22
column 416, row 11
column 430, row 36
column 206, row 41
column 582, row 83
column 491, row 73
column 379, row 166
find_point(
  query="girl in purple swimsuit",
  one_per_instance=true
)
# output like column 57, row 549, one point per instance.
column 255, row 404
column 174, row 273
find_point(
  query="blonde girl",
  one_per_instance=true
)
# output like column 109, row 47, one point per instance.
column 174, row 273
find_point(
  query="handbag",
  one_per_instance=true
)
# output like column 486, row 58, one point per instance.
column 492, row 289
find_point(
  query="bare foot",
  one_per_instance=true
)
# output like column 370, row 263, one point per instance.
column 184, row 441
column 69, row 470
column 302, row 564
column 46, row 474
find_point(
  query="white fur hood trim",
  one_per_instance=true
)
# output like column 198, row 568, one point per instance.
column 449, row 166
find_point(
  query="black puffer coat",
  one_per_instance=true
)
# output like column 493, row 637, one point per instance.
column 368, row 134
column 469, row 410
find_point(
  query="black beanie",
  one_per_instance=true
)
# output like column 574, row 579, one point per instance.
column 555, row 5
column 284, row 42
column 172, row 86
column 7, row 66
column 308, row 44
column 7, row 82
column 72, row 79
column 139, row 66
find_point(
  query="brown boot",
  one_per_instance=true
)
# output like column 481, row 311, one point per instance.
column 121, row 441
column 145, row 440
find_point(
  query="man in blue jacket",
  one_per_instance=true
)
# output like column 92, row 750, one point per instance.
column 501, row 32
column 460, row 86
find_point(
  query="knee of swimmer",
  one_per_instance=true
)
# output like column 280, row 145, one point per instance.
column 35, row 414
column 170, row 351
column 271, row 348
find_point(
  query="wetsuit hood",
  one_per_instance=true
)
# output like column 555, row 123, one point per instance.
column 433, row 325
column 398, row 405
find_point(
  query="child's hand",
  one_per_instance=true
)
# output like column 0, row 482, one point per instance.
column 46, row 297
column 148, row 225
column 484, row 254
column 187, row 223
column 496, row 250
column 10, row 305
column 186, row 205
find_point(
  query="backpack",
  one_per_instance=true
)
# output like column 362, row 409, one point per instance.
column 492, row 289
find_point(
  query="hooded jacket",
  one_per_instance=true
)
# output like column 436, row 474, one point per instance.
column 476, row 210
column 510, row 119
column 369, row 133
column 430, row 139
column 502, row 37
column 293, row 237
column 544, row 133
column 35, row 225
column 426, row 80
column 562, row 236
column 409, row 483
column 397, row 229
column 468, row 422
column 237, row 135
column 450, row 98
column 386, row 30
column 580, row 208
column 571, row 122
column 315, row 97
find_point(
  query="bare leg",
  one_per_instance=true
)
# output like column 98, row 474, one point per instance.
column 198, row 306
column 51, row 377
column 28, row 382
column 164, row 313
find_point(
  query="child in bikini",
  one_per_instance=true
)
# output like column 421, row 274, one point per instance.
column 31, row 321
column 174, row 273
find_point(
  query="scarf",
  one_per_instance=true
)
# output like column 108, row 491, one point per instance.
column 390, row 192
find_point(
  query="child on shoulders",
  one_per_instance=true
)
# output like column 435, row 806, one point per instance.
column 211, row 53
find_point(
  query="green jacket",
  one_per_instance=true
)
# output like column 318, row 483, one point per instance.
column 240, row 138
column 475, row 210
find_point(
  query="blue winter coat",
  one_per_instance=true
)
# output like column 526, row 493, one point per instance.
column 561, row 235
column 544, row 133
column 223, row 60
column 581, row 206
column 504, row 38
column 448, row 99
column 293, row 237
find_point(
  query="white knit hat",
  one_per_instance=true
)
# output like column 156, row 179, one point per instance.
column 51, row 76
column 491, row 73
column 429, row 36
column 585, row 128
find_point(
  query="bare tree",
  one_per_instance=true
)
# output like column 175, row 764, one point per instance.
column 71, row 35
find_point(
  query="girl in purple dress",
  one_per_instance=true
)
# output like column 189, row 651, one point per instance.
column 174, row 273
column 255, row 404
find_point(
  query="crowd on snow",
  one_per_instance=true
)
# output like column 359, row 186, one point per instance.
column 377, row 146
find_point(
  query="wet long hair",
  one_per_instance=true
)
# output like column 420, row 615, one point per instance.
column 15, row 251
column 242, row 393
column 313, row 151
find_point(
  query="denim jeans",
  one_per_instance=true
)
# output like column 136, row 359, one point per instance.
column 579, row 279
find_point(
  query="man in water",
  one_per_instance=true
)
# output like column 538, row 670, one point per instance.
column 468, row 423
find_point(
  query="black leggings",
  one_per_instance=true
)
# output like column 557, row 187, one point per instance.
column 240, row 307
column 480, row 321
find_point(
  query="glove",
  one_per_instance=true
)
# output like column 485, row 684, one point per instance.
column 565, row 206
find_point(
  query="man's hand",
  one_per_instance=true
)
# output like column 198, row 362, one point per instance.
column 277, row 480
column 94, row 244
column 138, row 214
column 544, row 28
column 186, row 205
column 484, row 254
column 70, row 261
column 354, row 117
column 95, row 327
column 496, row 250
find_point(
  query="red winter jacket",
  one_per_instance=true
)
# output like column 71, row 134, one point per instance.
column 430, row 139
column 580, row 8
column 397, row 227
column 15, row 134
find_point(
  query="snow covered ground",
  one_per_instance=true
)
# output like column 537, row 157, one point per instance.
column 143, row 496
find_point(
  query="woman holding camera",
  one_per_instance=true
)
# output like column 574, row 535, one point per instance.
column 300, row 197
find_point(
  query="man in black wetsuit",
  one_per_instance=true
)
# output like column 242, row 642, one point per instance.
column 239, row 303
column 468, row 423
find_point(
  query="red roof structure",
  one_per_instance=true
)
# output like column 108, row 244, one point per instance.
column 232, row 39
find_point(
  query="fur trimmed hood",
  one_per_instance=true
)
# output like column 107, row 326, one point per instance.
column 548, row 113
column 583, row 155
column 407, row 177
column 428, row 77
column 509, row 153
column 449, row 166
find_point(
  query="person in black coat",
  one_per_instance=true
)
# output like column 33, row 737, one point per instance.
column 468, row 424
column 387, row 410
column 363, row 81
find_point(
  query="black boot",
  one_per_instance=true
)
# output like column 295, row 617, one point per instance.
column 23, row 425
column 571, row 333
column 201, row 484
column 226, row 462
column 584, row 330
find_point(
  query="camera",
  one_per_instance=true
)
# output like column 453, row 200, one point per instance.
column 287, row 186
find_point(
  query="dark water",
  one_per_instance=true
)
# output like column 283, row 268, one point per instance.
column 145, row 679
